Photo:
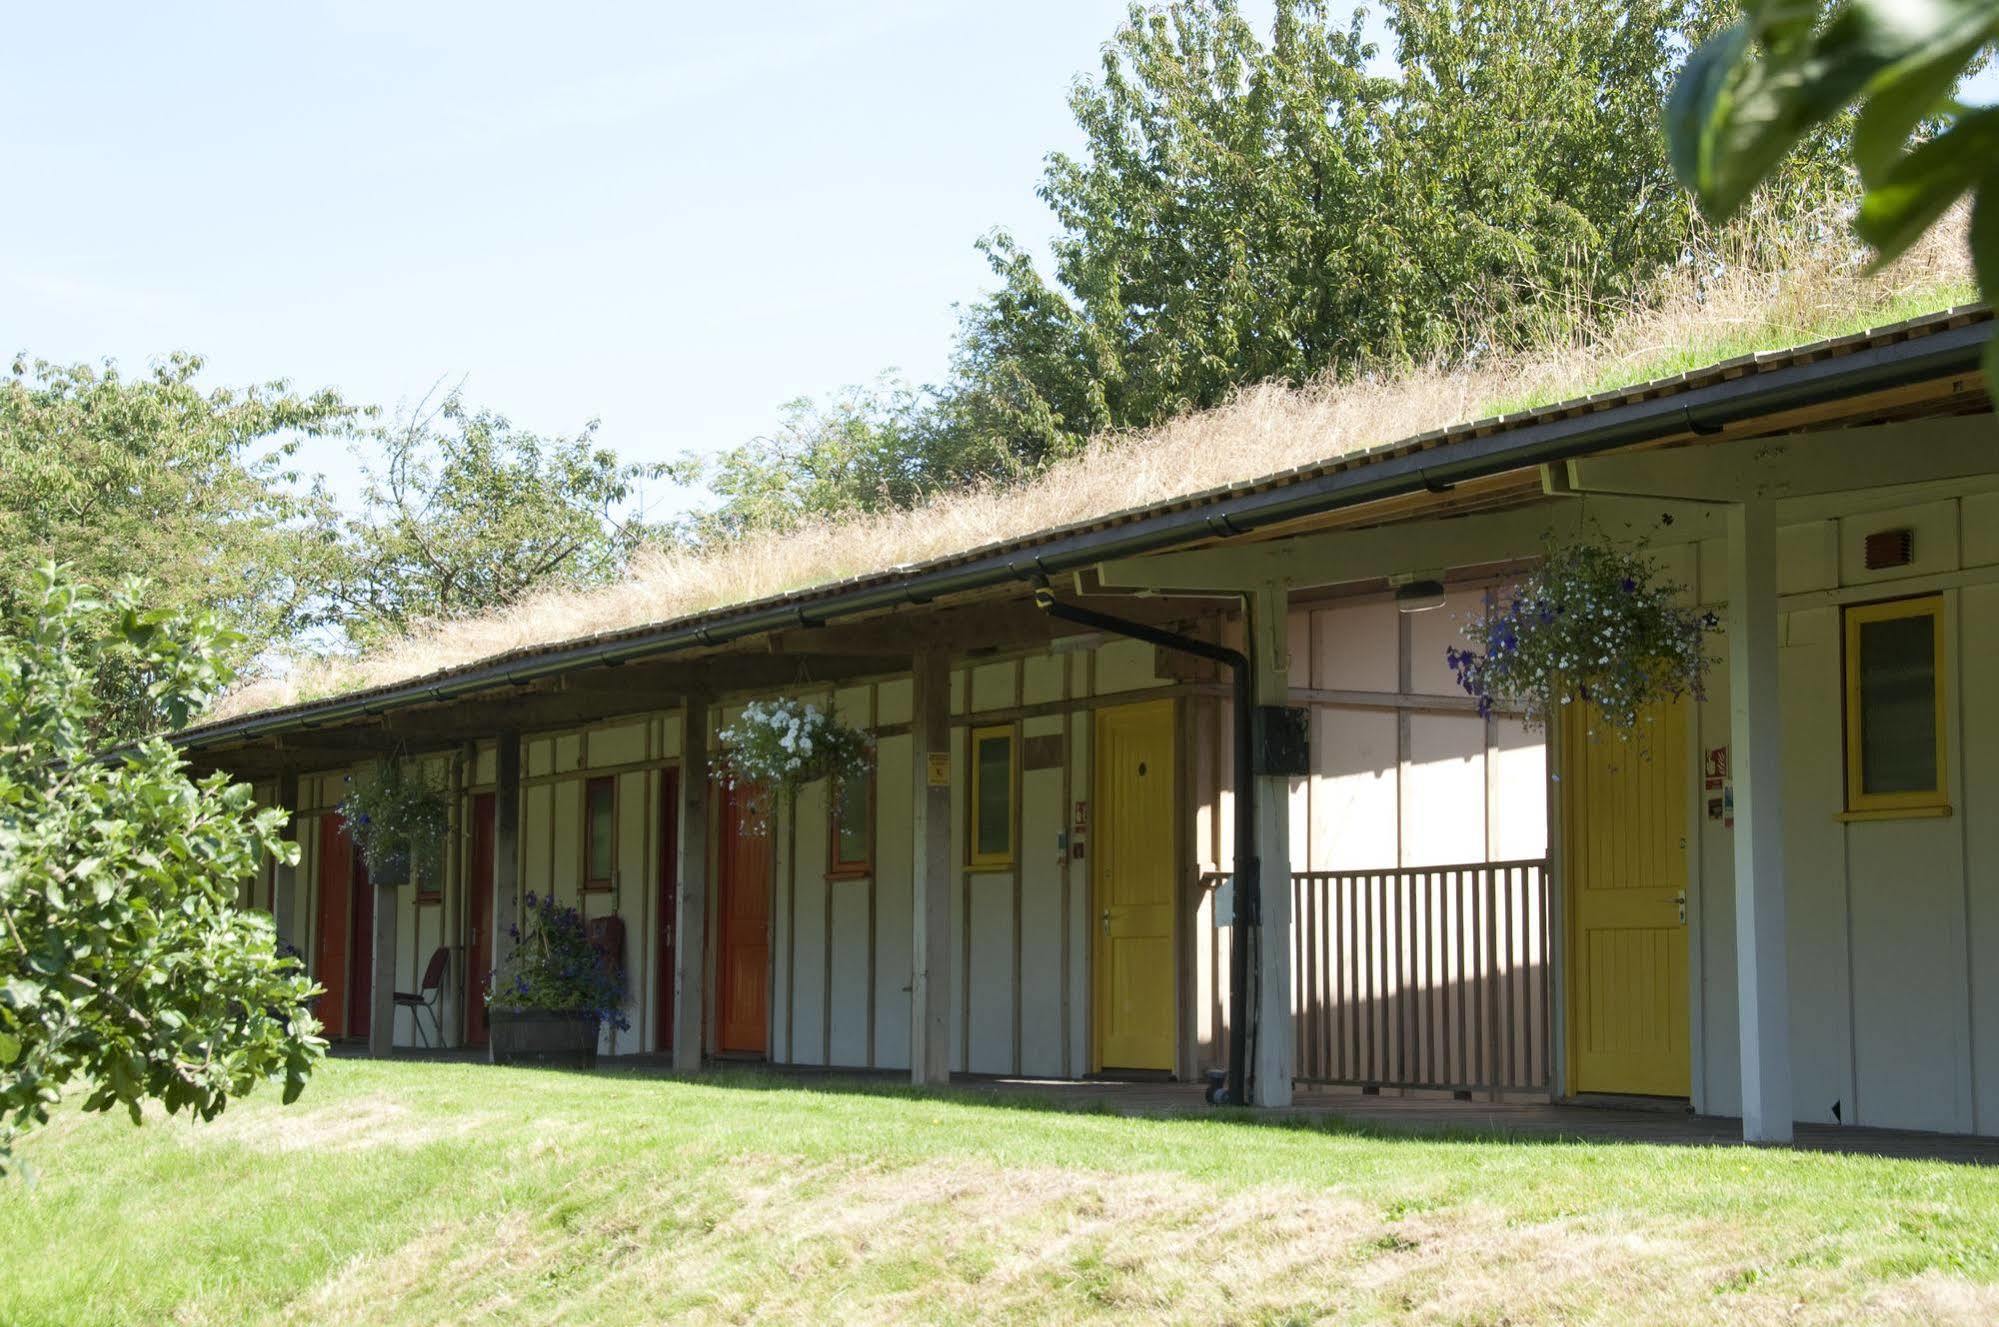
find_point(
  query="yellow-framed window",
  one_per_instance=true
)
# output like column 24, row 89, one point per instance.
column 989, row 821
column 1895, row 679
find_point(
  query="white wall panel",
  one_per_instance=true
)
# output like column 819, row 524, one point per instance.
column 808, row 920
column 1041, row 876
column 1443, row 790
column 894, row 941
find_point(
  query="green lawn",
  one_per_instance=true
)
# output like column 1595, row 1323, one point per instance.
column 412, row 1193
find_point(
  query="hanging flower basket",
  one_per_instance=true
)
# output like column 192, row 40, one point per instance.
column 778, row 746
column 1593, row 623
column 399, row 819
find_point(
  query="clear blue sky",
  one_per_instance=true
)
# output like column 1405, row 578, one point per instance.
column 672, row 217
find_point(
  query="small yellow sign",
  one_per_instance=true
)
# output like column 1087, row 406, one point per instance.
column 940, row 769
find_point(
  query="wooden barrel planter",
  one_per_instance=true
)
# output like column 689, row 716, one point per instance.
column 562, row 1038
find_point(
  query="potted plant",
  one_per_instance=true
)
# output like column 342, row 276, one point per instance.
column 778, row 746
column 399, row 819
column 1592, row 624
column 547, row 1001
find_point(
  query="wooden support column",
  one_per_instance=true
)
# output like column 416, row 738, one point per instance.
column 690, row 920
column 1755, row 729
column 930, row 910
column 1269, row 609
column 506, row 843
column 284, row 878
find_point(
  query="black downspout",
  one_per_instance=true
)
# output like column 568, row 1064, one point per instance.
column 1242, row 1018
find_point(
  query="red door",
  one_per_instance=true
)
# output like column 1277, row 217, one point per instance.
column 669, row 897
column 742, row 936
column 360, row 955
column 479, row 919
column 335, row 922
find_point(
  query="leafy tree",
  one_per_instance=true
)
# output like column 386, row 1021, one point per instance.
column 1245, row 211
column 1752, row 93
column 463, row 513
column 119, row 476
column 124, row 963
column 866, row 449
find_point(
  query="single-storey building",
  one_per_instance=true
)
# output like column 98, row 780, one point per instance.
column 1191, row 787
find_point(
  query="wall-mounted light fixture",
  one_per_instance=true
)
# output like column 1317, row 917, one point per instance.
column 1419, row 596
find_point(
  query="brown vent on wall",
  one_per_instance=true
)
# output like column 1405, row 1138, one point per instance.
column 1890, row 548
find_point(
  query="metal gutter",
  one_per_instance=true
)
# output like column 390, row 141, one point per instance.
column 1492, row 447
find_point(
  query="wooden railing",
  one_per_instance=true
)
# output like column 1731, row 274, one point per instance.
column 1433, row 976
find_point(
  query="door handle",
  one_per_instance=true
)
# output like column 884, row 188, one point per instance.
column 1681, row 899
column 1107, row 923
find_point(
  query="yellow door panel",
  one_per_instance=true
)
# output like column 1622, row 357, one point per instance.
column 1625, row 829
column 1135, row 872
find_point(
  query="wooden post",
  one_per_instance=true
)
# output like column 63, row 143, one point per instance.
column 1269, row 609
column 930, row 896
column 1756, row 730
column 284, row 879
column 690, row 922
column 506, row 843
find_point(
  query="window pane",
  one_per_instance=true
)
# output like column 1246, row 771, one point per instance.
column 1898, row 692
column 852, row 844
column 600, row 830
column 994, row 837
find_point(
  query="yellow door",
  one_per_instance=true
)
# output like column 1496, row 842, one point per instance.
column 1625, row 817
column 1135, row 871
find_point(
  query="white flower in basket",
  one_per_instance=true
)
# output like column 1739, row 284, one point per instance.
column 778, row 746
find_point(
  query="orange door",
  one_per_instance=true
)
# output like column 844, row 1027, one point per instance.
column 742, row 933
column 479, row 919
column 336, row 902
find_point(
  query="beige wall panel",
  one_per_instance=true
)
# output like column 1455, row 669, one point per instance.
column 849, row 1044
column 537, row 828
column 1519, row 801
column 1041, row 678
column 894, row 943
column 1979, row 520
column 670, row 730
column 1081, row 906
column 622, row 745
column 1125, row 665
column 993, row 686
column 1815, row 867
column 1935, row 526
column 808, row 928
column 1042, row 823
column 893, row 700
column 568, row 753
column 991, row 973
column 851, row 704
column 1431, row 633
column 1354, row 647
column 635, row 898
column 1355, row 797
column 960, row 785
column 1807, row 557
column 540, row 759
column 486, row 764
column 1912, row 1046
column 567, row 839
column 1978, row 804
column 1443, row 790
column 1713, row 579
